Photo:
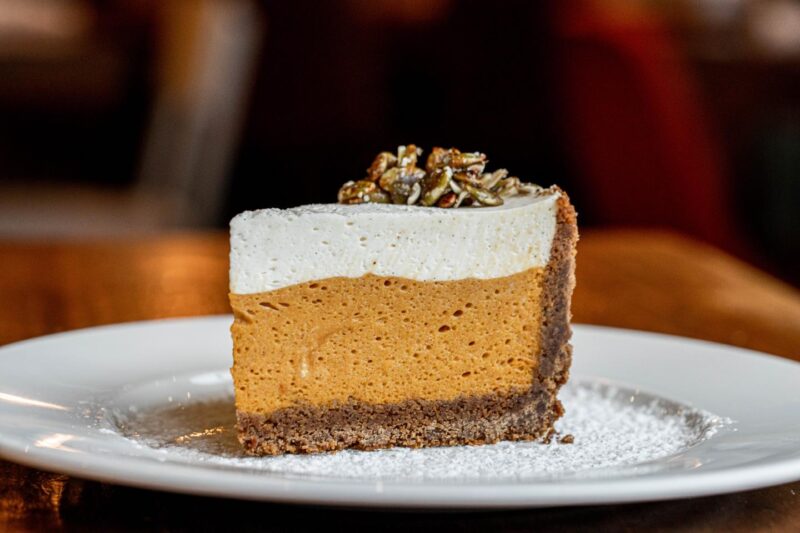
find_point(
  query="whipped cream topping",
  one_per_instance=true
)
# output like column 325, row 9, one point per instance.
column 275, row 248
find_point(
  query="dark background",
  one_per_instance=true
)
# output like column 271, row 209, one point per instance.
column 121, row 117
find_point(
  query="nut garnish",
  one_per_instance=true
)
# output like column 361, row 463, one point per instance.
column 363, row 191
column 451, row 178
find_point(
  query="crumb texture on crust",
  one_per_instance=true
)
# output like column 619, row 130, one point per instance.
column 528, row 415
column 559, row 283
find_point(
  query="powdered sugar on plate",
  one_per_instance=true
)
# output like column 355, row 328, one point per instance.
column 617, row 431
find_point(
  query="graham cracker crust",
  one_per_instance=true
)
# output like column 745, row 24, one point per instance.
column 519, row 415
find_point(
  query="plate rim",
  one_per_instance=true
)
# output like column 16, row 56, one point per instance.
column 399, row 493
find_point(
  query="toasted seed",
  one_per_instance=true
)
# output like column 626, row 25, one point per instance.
column 438, row 158
column 512, row 186
column 416, row 190
column 400, row 192
column 407, row 156
column 464, row 160
column 382, row 162
column 357, row 192
column 416, row 175
column 529, row 188
column 463, row 195
column 447, row 200
column 402, row 187
column 435, row 185
column 388, row 178
column 378, row 196
column 476, row 170
column 490, row 179
column 466, row 177
column 482, row 196
column 506, row 185
column 345, row 191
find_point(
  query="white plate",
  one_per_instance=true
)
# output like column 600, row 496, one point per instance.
column 61, row 396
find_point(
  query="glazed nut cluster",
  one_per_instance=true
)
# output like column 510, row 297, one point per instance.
column 451, row 178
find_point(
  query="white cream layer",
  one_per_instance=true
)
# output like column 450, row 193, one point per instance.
column 275, row 248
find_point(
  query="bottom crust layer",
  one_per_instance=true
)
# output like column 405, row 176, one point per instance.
column 526, row 415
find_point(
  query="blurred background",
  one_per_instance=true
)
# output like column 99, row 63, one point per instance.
column 133, row 117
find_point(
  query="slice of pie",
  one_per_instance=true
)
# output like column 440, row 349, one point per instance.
column 378, row 324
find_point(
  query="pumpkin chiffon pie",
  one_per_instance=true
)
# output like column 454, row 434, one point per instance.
column 382, row 324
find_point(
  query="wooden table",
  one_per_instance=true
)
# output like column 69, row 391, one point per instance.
column 644, row 280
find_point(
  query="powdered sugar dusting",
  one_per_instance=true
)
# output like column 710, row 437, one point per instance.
column 615, row 430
